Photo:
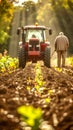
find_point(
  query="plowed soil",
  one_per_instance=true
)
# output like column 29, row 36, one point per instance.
column 58, row 113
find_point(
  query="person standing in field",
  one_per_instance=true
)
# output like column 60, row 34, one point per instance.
column 61, row 47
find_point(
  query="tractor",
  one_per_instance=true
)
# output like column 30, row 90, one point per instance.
column 34, row 46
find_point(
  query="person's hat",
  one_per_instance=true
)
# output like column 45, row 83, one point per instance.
column 61, row 33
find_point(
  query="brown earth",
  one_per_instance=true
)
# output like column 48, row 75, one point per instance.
column 58, row 113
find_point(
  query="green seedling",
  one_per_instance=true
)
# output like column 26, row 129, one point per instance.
column 39, row 78
column 70, row 61
column 47, row 100
column 31, row 116
column 8, row 63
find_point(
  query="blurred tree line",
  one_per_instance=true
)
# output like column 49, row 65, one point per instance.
column 6, row 14
column 63, row 3
column 58, row 14
column 7, row 11
column 64, row 13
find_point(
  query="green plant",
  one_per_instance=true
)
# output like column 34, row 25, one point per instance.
column 8, row 63
column 31, row 116
column 70, row 61
column 39, row 78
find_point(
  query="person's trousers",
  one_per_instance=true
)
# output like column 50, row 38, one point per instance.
column 61, row 56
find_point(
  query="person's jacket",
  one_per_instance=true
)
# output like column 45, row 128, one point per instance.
column 61, row 43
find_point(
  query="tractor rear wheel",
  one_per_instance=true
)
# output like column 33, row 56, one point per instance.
column 47, row 57
column 22, row 57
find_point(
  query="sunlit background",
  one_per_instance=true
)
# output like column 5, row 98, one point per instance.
column 53, row 14
column 19, row 2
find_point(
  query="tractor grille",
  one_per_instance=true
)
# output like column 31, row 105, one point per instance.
column 34, row 44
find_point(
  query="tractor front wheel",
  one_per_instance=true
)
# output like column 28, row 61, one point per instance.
column 22, row 57
column 47, row 57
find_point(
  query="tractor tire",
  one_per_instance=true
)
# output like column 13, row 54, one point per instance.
column 47, row 57
column 22, row 58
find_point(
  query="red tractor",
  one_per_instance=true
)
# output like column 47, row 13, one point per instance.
column 34, row 46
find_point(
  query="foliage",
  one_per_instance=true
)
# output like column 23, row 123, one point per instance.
column 70, row 3
column 8, row 63
column 39, row 83
column 70, row 61
column 31, row 116
column 6, row 14
column 29, row 5
column 3, row 36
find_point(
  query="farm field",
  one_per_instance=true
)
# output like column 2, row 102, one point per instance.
column 50, row 89
column 44, row 94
